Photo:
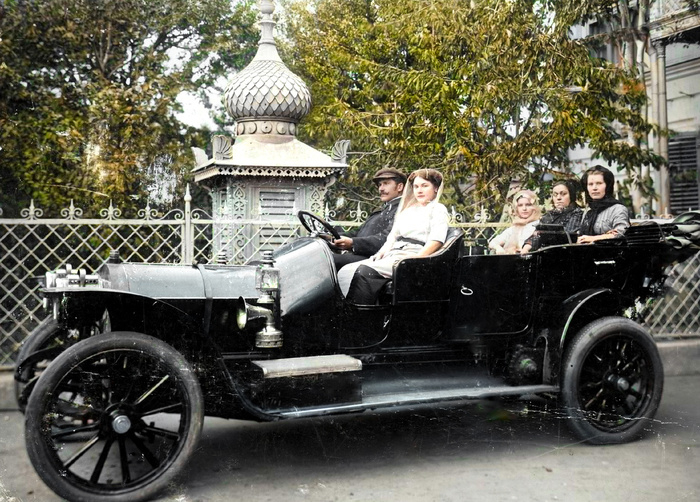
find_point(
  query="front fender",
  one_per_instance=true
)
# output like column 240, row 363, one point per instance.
column 174, row 323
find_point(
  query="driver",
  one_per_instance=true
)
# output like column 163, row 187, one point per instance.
column 366, row 240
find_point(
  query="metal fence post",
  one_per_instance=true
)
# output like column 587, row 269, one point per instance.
column 188, row 233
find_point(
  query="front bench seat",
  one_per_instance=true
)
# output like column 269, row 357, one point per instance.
column 428, row 278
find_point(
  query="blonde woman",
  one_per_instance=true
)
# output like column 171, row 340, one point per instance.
column 526, row 214
column 420, row 229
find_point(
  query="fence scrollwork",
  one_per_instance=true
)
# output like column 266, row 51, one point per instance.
column 72, row 212
column 147, row 213
column 32, row 212
column 111, row 213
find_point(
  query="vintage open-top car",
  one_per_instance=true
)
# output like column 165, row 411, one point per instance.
column 117, row 381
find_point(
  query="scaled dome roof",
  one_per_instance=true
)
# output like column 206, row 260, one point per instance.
column 266, row 87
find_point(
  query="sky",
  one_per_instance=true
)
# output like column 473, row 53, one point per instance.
column 194, row 113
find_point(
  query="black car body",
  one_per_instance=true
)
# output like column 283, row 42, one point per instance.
column 139, row 354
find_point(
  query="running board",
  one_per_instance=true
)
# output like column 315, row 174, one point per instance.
column 415, row 398
column 304, row 366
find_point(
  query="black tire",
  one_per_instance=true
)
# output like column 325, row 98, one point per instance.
column 43, row 337
column 612, row 381
column 113, row 418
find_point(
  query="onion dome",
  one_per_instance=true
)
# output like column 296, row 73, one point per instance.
column 266, row 97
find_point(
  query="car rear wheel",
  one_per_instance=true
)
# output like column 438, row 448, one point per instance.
column 113, row 418
column 612, row 381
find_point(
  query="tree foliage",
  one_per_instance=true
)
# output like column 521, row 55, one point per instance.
column 627, row 29
column 489, row 92
column 89, row 93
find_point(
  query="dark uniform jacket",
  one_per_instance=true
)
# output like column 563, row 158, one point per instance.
column 371, row 235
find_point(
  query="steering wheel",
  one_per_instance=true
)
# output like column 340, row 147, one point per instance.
column 315, row 224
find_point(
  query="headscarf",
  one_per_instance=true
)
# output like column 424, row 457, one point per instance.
column 597, row 206
column 519, row 223
column 434, row 176
column 556, row 216
column 517, row 220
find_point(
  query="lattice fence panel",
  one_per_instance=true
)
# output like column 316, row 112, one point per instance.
column 29, row 249
column 678, row 314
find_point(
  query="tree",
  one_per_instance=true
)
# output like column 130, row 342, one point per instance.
column 626, row 28
column 89, row 92
column 488, row 92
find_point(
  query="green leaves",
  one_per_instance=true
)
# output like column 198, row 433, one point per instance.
column 480, row 90
column 90, row 93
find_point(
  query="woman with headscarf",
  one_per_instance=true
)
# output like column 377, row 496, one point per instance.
column 566, row 212
column 420, row 229
column 526, row 214
column 606, row 217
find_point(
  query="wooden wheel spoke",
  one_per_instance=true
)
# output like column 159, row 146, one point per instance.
column 163, row 432
column 74, row 430
column 95, row 477
column 82, row 451
column 635, row 393
column 162, row 409
column 124, row 461
column 593, row 399
column 151, row 390
column 592, row 385
column 148, row 455
column 73, row 407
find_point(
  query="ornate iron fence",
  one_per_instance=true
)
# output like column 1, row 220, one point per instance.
column 32, row 245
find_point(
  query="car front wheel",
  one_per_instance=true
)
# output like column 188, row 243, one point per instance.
column 113, row 418
column 612, row 381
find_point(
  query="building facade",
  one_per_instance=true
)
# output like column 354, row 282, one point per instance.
column 670, row 60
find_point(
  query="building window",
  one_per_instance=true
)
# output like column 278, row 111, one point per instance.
column 683, row 167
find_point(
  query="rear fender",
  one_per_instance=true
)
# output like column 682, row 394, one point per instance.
column 582, row 308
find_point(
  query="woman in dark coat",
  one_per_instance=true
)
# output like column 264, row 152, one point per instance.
column 566, row 212
column 606, row 217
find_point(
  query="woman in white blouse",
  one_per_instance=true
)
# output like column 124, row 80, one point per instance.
column 420, row 229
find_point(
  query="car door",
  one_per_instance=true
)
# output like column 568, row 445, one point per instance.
column 494, row 294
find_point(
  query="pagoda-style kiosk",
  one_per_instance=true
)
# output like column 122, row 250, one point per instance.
column 264, row 173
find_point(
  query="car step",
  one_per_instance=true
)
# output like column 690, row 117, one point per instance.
column 374, row 402
column 302, row 366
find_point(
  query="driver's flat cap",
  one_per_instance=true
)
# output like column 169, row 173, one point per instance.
column 389, row 173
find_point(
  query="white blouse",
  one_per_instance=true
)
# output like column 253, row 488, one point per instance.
column 422, row 223
column 501, row 241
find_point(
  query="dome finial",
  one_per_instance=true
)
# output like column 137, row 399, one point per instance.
column 267, row 49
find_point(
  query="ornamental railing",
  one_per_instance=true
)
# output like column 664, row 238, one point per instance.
column 664, row 8
column 32, row 245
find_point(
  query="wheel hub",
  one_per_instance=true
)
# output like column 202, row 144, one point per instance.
column 619, row 383
column 121, row 424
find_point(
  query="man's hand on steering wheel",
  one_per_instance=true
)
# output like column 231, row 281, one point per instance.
column 344, row 243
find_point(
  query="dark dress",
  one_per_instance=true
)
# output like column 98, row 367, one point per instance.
column 370, row 236
column 570, row 218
